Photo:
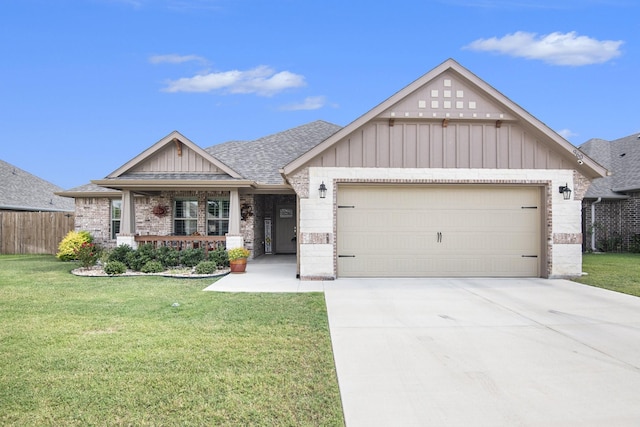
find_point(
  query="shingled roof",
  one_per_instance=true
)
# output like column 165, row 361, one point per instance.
column 622, row 158
column 22, row 191
column 261, row 159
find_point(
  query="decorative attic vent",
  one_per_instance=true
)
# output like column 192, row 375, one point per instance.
column 178, row 146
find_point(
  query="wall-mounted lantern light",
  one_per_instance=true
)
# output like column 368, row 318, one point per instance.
column 322, row 190
column 565, row 191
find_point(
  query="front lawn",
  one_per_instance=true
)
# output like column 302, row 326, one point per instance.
column 617, row 272
column 80, row 351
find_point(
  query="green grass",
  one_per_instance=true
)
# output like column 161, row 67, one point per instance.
column 617, row 272
column 83, row 351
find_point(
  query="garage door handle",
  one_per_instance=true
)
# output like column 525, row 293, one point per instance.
column 439, row 237
column 529, row 256
column 346, row 256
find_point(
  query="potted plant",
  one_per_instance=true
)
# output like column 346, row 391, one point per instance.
column 238, row 259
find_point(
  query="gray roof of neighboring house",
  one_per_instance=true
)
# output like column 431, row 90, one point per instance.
column 20, row 190
column 91, row 188
column 622, row 158
column 261, row 159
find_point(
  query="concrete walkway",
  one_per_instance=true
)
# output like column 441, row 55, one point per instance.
column 474, row 352
column 268, row 273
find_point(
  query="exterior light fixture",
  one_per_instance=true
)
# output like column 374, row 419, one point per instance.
column 322, row 190
column 565, row 191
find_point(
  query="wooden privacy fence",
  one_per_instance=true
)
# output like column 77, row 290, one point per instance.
column 33, row 232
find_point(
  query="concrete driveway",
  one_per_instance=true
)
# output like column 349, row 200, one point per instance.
column 484, row 352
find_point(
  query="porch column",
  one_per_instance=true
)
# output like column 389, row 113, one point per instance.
column 234, row 239
column 234, row 212
column 127, row 220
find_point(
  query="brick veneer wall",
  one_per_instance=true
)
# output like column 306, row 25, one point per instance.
column 93, row 214
column 613, row 219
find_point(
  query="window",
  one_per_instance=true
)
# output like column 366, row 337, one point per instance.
column 218, row 216
column 185, row 221
column 116, row 215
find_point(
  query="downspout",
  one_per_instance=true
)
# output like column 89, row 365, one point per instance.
column 593, row 224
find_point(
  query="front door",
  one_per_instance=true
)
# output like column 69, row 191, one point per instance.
column 285, row 238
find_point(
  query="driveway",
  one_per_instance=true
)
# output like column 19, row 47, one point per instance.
column 484, row 352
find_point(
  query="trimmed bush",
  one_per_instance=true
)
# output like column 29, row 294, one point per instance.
column 168, row 256
column 191, row 257
column 138, row 258
column 220, row 257
column 119, row 253
column 152, row 267
column 206, row 267
column 69, row 246
column 115, row 267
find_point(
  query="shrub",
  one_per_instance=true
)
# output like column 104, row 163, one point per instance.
column 68, row 247
column 220, row 257
column 168, row 256
column 87, row 254
column 115, row 267
column 152, row 267
column 119, row 253
column 206, row 267
column 136, row 259
column 634, row 244
column 191, row 257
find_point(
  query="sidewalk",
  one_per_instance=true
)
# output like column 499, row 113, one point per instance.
column 268, row 273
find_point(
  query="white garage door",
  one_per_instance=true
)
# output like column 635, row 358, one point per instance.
column 448, row 231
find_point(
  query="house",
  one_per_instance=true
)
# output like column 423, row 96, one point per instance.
column 611, row 206
column 447, row 177
column 22, row 191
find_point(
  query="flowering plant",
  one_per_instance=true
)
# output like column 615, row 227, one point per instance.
column 237, row 253
column 87, row 253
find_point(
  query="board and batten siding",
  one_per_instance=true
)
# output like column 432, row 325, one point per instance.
column 171, row 159
column 434, row 145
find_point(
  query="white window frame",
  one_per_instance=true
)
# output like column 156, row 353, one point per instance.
column 115, row 217
column 218, row 217
column 189, row 222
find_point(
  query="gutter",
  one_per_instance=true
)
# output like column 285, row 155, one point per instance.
column 593, row 223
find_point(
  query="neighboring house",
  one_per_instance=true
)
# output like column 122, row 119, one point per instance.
column 33, row 218
column 447, row 177
column 22, row 191
column 611, row 206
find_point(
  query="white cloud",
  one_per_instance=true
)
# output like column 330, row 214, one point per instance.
column 567, row 133
column 175, row 59
column 261, row 80
column 309, row 103
column 555, row 48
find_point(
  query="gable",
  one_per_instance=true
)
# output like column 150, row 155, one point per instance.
column 175, row 158
column 449, row 118
column 174, row 154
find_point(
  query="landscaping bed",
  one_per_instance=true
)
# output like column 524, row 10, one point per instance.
column 179, row 273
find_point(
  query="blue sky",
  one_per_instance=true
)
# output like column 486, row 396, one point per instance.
column 85, row 85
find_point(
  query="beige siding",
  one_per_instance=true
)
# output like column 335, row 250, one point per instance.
column 168, row 159
column 431, row 145
column 445, row 124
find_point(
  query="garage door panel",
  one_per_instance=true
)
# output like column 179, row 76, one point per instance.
column 431, row 231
